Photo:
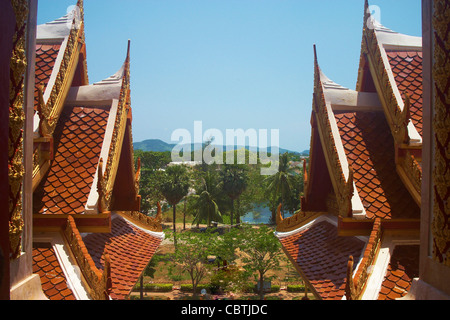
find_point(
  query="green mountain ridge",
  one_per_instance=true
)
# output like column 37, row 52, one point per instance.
column 161, row 146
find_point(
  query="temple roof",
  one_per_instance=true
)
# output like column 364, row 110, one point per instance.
column 83, row 161
column 90, row 129
column 369, row 148
column 321, row 255
column 406, row 66
column 46, row 55
column 130, row 249
column 365, row 172
column 53, row 279
column 60, row 63
column 78, row 143
column 403, row 268
column 60, row 28
column 393, row 62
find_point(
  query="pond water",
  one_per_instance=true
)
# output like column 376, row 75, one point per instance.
column 260, row 214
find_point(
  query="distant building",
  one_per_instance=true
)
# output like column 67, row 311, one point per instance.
column 74, row 230
column 185, row 163
column 374, row 219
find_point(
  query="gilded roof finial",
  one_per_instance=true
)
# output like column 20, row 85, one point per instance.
column 158, row 213
column 349, row 284
column 279, row 217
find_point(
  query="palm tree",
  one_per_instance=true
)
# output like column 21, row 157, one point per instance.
column 174, row 186
column 205, row 203
column 280, row 184
column 234, row 181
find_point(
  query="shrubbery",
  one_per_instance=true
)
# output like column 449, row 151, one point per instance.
column 189, row 287
column 155, row 287
column 295, row 288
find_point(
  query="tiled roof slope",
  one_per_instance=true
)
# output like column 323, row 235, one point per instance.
column 369, row 147
column 130, row 250
column 78, row 142
column 407, row 69
column 53, row 280
column 322, row 256
column 402, row 269
column 45, row 61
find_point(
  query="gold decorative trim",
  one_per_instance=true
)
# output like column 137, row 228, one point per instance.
column 49, row 114
column 296, row 221
column 50, row 111
column 410, row 171
column 112, row 163
column 148, row 223
column 355, row 286
column 342, row 187
column 370, row 50
column 136, row 171
column 43, row 152
column 332, row 204
column 16, row 126
column 99, row 283
column 440, row 226
column 307, row 171
column 101, row 189
column 137, row 178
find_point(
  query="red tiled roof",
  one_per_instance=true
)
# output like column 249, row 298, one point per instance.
column 53, row 280
column 130, row 250
column 402, row 269
column 322, row 256
column 78, row 141
column 407, row 69
column 369, row 147
column 45, row 61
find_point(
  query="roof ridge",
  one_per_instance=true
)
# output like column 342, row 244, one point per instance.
column 340, row 171
column 354, row 286
column 148, row 223
column 99, row 282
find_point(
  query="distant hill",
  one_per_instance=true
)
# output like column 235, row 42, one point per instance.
column 153, row 145
column 161, row 146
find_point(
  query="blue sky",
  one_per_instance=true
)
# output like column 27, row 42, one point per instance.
column 229, row 63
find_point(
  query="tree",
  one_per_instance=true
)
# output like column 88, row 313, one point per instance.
column 205, row 204
column 149, row 189
column 192, row 255
column 259, row 250
column 279, row 185
column 234, row 181
column 174, row 186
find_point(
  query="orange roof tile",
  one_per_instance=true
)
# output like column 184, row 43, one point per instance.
column 407, row 69
column 78, row 141
column 402, row 269
column 130, row 250
column 45, row 61
column 53, row 280
column 322, row 256
column 369, row 147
